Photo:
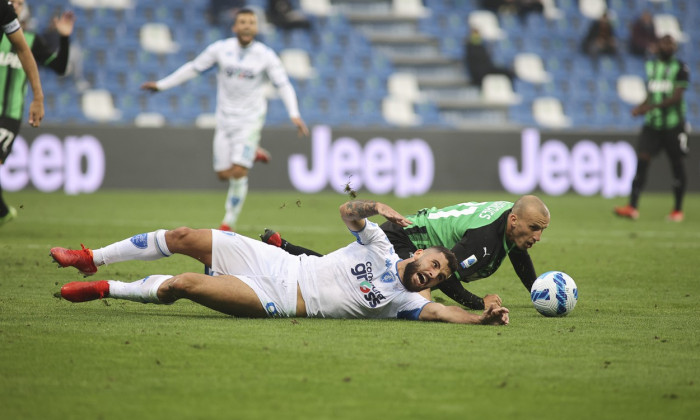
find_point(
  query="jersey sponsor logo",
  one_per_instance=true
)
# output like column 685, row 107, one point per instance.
column 363, row 273
column 471, row 260
column 239, row 73
column 660, row 86
column 10, row 59
column 140, row 241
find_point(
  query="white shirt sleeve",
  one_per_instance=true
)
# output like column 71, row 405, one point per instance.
column 178, row 77
column 278, row 77
column 204, row 61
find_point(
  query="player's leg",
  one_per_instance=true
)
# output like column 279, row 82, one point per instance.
column 8, row 131
column 234, row 154
column 236, row 194
column 649, row 145
column 195, row 243
column 274, row 238
column 676, row 146
column 225, row 294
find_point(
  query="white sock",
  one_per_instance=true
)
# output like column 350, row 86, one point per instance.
column 145, row 247
column 144, row 290
column 237, row 192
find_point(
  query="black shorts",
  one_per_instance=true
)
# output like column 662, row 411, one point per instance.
column 402, row 244
column 673, row 141
column 8, row 131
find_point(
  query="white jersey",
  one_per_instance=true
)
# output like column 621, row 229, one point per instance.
column 241, row 78
column 359, row 281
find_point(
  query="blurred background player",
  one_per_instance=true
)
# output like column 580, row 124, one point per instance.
column 481, row 235
column 30, row 50
column 664, row 126
column 243, row 64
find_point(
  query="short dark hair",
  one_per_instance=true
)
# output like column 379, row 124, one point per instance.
column 244, row 11
column 451, row 257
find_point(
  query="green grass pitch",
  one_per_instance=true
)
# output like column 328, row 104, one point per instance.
column 630, row 349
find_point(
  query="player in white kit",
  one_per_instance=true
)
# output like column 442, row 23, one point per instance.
column 244, row 66
column 365, row 279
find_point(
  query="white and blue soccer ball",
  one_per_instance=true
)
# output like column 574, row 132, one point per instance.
column 554, row 293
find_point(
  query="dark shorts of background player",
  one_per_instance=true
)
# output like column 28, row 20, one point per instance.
column 402, row 244
column 673, row 141
column 8, row 131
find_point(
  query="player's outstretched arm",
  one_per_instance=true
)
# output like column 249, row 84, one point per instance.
column 454, row 314
column 355, row 212
column 302, row 130
column 150, row 86
column 26, row 58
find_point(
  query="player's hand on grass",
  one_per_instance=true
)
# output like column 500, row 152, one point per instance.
column 150, row 86
column 36, row 112
column 392, row 215
column 494, row 300
column 302, row 130
column 495, row 316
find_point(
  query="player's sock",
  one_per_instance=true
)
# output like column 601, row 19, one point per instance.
column 144, row 290
column 679, row 184
column 144, row 246
column 639, row 181
column 237, row 192
column 298, row 250
column 3, row 206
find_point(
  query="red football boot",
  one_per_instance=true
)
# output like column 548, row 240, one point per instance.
column 78, row 258
column 83, row 291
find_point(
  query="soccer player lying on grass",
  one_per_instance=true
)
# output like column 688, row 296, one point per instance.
column 365, row 279
column 481, row 235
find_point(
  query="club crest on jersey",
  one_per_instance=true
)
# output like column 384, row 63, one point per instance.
column 471, row 260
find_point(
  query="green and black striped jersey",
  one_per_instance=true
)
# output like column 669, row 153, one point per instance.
column 663, row 78
column 13, row 79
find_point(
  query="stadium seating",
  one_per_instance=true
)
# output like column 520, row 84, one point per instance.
column 98, row 105
column 487, row 23
column 399, row 111
column 631, row 89
column 497, row 89
column 529, row 67
column 156, row 38
column 297, row 63
column 353, row 74
column 548, row 112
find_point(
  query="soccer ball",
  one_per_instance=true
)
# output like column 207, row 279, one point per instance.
column 554, row 293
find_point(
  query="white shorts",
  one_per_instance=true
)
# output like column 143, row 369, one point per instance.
column 236, row 145
column 272, row 273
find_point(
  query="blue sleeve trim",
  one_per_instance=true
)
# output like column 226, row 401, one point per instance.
column 411, row 315
column 356, row 234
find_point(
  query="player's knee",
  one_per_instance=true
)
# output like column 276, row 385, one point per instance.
column 177, row 237
column 179, row 286
column 234, row 172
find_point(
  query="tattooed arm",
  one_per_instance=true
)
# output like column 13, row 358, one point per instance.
column 355, row 212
